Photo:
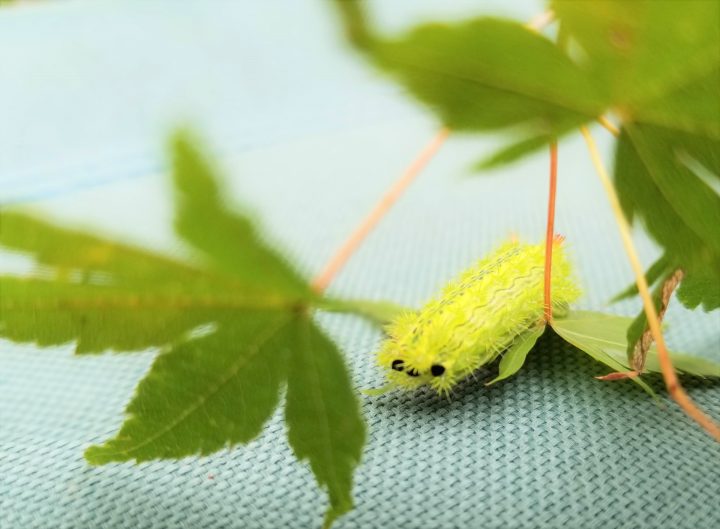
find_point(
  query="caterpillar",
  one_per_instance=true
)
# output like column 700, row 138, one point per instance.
column 476, row 317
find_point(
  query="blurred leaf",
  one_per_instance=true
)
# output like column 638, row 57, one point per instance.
column 655, row 59
column 701, row 156
column 104, row 295
column 489, row 74
column 603, row 336
column 482, row 74
column 701, row 288
column 696, row 205
column 320, row 428
column 679, row 209
column 590, row 332
column 233, row 327
column 651, row 61
column 687, row 364
column 694, row 107
column 100, row 317
column 73, row 251
column 512, row 152
column 229, row 241
column 514, row 358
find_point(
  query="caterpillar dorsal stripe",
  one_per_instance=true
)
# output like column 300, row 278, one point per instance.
column 475, row 318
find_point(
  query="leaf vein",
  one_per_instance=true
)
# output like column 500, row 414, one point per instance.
column 197, row 404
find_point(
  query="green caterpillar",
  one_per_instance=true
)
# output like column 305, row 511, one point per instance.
column 478, row 316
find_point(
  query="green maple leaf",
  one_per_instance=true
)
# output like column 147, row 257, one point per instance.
column 234, row 325
column 660, row 64
column 514, row 357
column 679, row 209
column 655, row 63
column 658, row 61
column 483, row 74
column 651, row 61
column 604, row 337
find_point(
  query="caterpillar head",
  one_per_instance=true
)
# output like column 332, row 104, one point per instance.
column 410, row 362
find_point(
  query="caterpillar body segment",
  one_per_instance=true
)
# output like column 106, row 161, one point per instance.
column 476, row 317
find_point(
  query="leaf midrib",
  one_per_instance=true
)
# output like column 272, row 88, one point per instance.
column 315, row 390
column 516, row 90
column 235, row 367
column 593, row 338
column 169, row 303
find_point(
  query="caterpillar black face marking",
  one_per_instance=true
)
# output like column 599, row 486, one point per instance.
column 397, row 365
column 437, row 370
column 413, row 373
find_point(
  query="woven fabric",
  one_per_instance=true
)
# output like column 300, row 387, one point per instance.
column 551, row 447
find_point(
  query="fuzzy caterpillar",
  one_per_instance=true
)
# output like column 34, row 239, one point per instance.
column 476, row 317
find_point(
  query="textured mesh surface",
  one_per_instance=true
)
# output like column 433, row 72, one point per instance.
column 551, row 447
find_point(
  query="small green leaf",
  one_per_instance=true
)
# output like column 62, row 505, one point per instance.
column 595, row 334
column 604, row 337
column 514, row 358
column 512, row 152
column 321, row 413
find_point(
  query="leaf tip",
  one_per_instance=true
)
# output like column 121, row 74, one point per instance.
column 181, row 137
column 95, row 456
column 336, row 511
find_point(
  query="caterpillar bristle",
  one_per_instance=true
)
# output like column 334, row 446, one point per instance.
column 475, row 318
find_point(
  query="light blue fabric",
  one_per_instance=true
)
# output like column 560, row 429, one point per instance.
column 310, row 138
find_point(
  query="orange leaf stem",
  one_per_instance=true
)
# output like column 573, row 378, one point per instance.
column 672, row 383
column 550, row 231
column 323, row 279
